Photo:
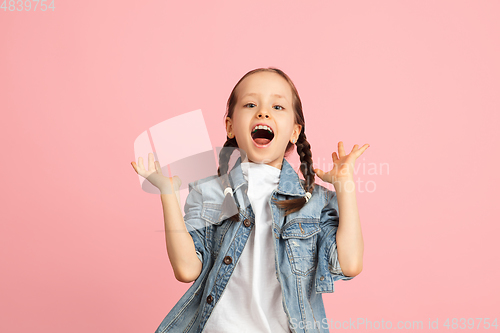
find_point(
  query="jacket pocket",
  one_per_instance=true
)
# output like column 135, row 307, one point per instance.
column 301, row 235
column 217, row 226
column 211, row 212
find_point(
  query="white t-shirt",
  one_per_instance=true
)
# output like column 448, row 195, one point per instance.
column 252, row 301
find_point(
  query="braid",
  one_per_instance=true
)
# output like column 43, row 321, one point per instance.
column 225, row 154
column 305, row 154
column 306, row 163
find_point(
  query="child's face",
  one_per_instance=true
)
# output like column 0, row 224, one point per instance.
column 257, row 104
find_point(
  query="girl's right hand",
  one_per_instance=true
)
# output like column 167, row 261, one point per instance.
column 166, row 185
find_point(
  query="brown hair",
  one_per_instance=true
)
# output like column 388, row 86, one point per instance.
column 303, row 146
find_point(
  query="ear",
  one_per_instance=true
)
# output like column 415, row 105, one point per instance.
column 296, row 131
column 229, row 126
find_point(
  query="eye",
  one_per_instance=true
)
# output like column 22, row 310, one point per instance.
column 249, row 104
column 282, row 108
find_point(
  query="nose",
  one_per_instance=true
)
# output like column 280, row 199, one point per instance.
column 263, row 114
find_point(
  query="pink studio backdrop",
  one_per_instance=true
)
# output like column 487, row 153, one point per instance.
column 82, row 245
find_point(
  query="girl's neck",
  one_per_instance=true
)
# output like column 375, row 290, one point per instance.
column 278, row 166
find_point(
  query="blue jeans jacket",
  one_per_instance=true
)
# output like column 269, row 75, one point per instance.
column 304, row 246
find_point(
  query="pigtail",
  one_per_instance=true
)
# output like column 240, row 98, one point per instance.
column 306, row 162
column 228, row 205
column 306, row 168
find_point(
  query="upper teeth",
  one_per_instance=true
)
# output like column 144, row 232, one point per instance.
column 262, row 127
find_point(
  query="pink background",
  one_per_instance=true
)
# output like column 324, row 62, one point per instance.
column 82, row 246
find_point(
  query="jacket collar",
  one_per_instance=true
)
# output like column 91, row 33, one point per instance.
column 289, row 183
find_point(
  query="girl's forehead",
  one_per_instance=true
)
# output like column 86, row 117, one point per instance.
column 265, row 83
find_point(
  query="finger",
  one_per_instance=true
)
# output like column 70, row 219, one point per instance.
column 151, row 162
column 158, row 167
column 319, row 173
column 141, row 164
column 361, row 150
column 354, row 148
column 341, row 149
column 334, row 157
column 134, row 165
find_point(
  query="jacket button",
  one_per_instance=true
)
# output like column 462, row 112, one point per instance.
column 228, row 260
column 209, row 299
column 322, row 278
column 247, row 223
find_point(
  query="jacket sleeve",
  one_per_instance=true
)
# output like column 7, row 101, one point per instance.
column 328, row 244
column 195, row 224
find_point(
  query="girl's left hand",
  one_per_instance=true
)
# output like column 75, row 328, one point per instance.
column 343, row 165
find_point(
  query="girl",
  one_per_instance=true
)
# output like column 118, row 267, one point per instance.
column 261, row 244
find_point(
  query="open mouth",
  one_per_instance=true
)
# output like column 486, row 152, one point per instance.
column 262, row 135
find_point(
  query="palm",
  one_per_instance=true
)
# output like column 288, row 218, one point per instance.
column 343, row 164
column 154, row 175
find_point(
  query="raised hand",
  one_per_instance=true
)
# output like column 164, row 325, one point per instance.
column 343, row 165
column 166, row 185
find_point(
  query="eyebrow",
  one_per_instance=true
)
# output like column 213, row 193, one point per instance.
column 275, row 95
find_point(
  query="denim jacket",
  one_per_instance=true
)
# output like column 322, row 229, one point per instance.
column 305, row 250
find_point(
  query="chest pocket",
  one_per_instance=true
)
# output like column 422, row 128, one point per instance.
column 217, row 227
column 300, row 236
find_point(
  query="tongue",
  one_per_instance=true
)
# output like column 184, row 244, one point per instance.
column 262, row 141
